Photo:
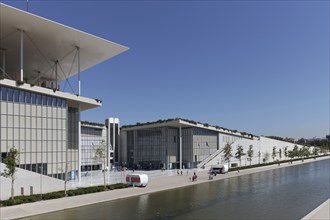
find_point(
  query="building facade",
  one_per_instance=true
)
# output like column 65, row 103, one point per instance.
column 96, row 135
column 180, row 143
column 37, row 118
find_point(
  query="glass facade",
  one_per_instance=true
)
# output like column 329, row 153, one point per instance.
column 91, row 138
column 205, row 143
column 36, row 124
column 159, row 147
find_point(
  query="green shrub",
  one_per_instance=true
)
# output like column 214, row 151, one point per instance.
column 11, row 202
column 53, row 195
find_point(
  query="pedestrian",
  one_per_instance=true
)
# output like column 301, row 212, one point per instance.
column 181, row 172
column 177, row 172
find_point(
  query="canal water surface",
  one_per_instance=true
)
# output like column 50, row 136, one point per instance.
column 285, row 193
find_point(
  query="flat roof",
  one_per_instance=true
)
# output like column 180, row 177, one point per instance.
column 45, row 42
column 185, row 123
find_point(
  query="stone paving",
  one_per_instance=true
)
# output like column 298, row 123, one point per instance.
column 158, row 181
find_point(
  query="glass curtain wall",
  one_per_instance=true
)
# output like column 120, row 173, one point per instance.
column 36, row 125
column 91, row 139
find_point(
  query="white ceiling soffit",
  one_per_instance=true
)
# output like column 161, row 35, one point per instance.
column 46, row 41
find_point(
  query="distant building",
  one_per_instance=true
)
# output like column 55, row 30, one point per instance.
column 93, row 136
column 180, row 143
column 328, row 137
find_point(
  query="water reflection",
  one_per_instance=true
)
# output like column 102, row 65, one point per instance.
column 286, row 193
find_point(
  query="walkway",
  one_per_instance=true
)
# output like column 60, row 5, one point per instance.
column 155, row 184
column 321, row 212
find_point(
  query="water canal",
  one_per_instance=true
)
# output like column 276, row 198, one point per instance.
column 285, row 193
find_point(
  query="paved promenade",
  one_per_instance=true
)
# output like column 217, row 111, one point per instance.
column 321, row 212
column 155, row 184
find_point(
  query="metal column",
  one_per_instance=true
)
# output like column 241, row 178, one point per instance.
column 180, row 133
column 22, row 74
column 79, row 122
column 56, row 62
column 78, row 51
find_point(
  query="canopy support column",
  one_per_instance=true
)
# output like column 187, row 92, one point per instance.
column 56, row 62
column 79, row 89
column 22, row 51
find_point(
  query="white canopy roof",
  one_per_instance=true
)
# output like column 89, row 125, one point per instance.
column 45, row 42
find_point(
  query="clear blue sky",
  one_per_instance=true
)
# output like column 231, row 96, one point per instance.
column 255, row 66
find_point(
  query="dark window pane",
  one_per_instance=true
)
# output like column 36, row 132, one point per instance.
column 44, row 100
column 27, row 97
column 64, row 104
column 39, row 101
column 49, row 101
column 22, row 97
column 10, row 95
column 16, row 95
column 33, row 98
column 59, row 102
column 3, row 93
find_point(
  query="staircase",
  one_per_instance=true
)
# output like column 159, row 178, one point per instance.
column 209, row 158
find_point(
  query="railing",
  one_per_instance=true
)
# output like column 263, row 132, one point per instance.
column 209, row 158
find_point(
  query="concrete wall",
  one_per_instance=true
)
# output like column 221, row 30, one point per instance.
column 26, row 179
column 263, row 144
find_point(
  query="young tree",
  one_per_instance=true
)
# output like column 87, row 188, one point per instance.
column 227, row 150
column 11, row 162
column 315, row 152
column 280, row 153
column 259, row 155
column 274, row 153
column 286, row 152
column 250, row 153
column 301, row 154
column 100, row 153
column 295, row 151
column 304, row 152
column 239, row 153
column 291, row 155
column 65, row 171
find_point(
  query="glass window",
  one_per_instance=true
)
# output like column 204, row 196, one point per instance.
column 49, row 100
column 16, row 95
column 44, row 100
column 33, row 98
column 3, row 93
column 22, row 96
column 64, row 103
column 59, row 102
column 27, row 97
column 10, row 95
column 39, row 101
column 53, row 101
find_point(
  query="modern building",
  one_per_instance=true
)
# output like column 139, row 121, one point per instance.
column 95, row 135
column 40, row 120
column 180, row 143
